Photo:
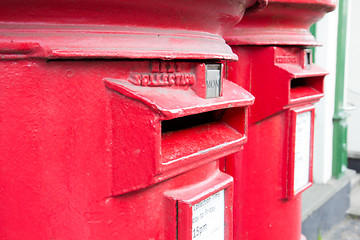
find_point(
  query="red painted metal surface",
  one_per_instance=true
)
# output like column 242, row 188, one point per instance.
column 72, row 147
column 282, row 22
column 120, row 28
column 171, row 153
column 284, row 82
column 260, row 210
column 266, row 205
column 101, row 135
column 291, row 188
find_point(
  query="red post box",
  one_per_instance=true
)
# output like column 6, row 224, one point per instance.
column 275, row 65
column 113, row 118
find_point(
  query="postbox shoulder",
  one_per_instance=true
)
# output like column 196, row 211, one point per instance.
column 173, row 103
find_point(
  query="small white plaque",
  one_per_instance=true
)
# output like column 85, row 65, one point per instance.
column 302, row 150
column 208, row 218
column 213, row 80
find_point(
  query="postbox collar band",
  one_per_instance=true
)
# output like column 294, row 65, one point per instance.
column 65, row 42
column 282, row 22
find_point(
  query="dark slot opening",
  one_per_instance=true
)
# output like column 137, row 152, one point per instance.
column 308, row 58
column 298, row 82
column 306, row 87
column 190, row 121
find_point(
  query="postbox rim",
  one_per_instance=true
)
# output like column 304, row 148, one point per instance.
column 18, row 41
column 282, row 22
column 160, row 99
column 296, row 71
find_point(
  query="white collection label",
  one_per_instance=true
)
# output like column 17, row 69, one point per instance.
column 213, row 80
column 302, row 150
column 208, row 218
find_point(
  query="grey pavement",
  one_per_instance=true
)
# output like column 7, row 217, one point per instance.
column 349, row 228
column 354, row 209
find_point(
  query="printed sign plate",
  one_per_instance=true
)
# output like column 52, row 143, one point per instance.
column 302, row 150
column 208, row 218
column 213, row 80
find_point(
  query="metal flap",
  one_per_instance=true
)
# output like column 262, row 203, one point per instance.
column 174, row 102
column 296, row 71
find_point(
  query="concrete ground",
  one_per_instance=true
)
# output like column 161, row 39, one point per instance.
column 349, row 228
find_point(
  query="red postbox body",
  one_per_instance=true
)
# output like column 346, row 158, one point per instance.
column 113, row 118
column 276, row 164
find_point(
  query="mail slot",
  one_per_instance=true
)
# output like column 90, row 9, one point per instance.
column 178, row 126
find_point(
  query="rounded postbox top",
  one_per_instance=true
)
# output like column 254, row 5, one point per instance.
column 164, row 29
column 282, row 22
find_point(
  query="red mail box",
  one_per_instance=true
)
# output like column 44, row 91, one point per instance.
column 114, row 115
column 275, row 65
column 276, row 163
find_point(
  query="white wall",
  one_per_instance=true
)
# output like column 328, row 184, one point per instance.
column 353, row 76
column 325, row 56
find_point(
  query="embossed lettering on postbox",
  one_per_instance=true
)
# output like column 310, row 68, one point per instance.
column 285, row 59
column 163, row 74
column 287, row 56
